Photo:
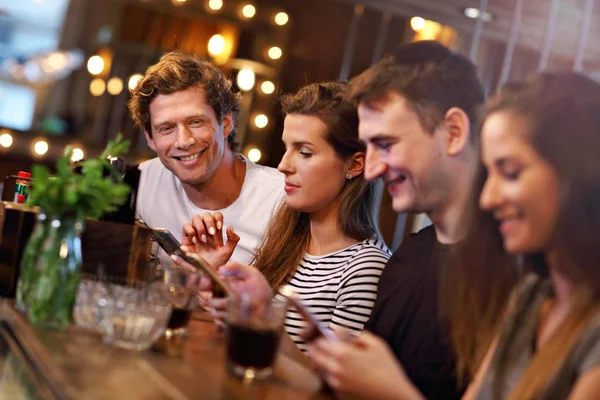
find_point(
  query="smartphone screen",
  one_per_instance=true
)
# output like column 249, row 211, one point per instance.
column 171, row 245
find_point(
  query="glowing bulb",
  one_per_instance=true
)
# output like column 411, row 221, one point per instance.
column 261, row 121
column 57, row 61
column 133, row 81
column 281, row 18
column 6, row 140
column 275, row 53
column 248, row 11
column 254, row 155
column 77, row 155
column 215, row 5
column 216, row 45
column 471, row 12
column 114, row 86
column 97, row 87
column 267, row 87
column 179, row 2
column 417, row 23
column 95, row 65
column 40, row 147
column 245, row 79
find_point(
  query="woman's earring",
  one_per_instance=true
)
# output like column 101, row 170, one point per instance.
column 348, row 176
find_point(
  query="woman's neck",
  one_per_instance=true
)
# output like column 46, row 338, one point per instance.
column 564, row 289
column 325, row 233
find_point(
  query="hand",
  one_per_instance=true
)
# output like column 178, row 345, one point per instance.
column 365, row 367
column 241, row 279
column 204, row 236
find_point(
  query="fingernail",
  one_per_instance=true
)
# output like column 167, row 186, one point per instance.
column 211, row 230
column 203, row 238
column 174, row 257
column 194, row 240
column 219, row 225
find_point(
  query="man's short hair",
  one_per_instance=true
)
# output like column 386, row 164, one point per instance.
column 177, row 71
column 429, row 75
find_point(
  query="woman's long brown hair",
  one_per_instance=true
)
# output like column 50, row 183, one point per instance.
column 288, row 234
column 563, row 114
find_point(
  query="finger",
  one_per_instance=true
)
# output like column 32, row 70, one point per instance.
column 367, row 340
column 188, row 235
column 184, row 265
column 232, row 237
column 234, row 269
column 209, row 223
column 206, row 285
column 192, row 282
column 218, row 304
column 218, row 220
column 201, row 232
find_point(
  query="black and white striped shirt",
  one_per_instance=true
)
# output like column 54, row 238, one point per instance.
column 338, row 288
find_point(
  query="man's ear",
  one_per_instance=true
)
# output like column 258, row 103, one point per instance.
column 150, row 141
column 459, row 129
column 227, row 124
column 356, row 164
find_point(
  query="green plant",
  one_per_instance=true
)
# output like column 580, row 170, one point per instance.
column 87, row 194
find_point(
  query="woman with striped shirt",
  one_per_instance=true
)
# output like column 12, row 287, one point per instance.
column 323, row 240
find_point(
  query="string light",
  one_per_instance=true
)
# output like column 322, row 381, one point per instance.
column 267, row 87
column 133, row 81
column 215, row 5
column 216, row 45
column 97, row 87
column 275, row 53
column 77, row 155
column 261, row 121
column 248, row 11
column 95, row 65
column 417, row 23
column 246, row 79
column 114, row 86
column 254, row 155
column 40, row 147
column 281, row 18
column 6, row 140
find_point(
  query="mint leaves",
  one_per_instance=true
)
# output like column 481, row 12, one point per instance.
column 88, row 194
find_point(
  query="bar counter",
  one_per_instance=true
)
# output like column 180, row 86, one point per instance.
column 76, row 365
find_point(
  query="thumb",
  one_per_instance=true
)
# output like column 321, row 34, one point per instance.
column 235, row 270
column 366, row 340
column 232, row 237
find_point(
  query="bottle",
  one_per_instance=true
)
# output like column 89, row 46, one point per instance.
column 22, row 187
column 125, row 214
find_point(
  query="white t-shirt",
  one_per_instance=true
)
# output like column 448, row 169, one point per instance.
column 162, row 203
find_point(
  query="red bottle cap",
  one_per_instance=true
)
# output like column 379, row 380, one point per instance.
column 23, row 174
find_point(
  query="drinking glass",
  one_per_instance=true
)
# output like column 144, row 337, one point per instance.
column 254, row 331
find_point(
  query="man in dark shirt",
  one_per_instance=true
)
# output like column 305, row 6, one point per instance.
column 416, row 109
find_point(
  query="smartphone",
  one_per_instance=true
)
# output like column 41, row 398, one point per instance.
column 171, row 245
column 316, row 327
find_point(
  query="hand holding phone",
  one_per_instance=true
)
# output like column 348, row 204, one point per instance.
column 315, row 328
column 171, row 245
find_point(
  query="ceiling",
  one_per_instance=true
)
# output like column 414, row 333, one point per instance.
column 532, row 28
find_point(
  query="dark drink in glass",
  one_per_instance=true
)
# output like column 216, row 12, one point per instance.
column 180, row 318
column 253, row 335
column 252, row 348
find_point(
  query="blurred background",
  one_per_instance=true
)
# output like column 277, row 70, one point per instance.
column 66, row 66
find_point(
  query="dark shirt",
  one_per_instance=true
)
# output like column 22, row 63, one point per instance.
column 406, row 315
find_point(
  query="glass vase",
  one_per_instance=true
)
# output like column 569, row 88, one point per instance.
column 27, row 271
column 58, row 266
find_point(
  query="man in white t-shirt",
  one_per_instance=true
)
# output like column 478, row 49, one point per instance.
column 188, row 112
